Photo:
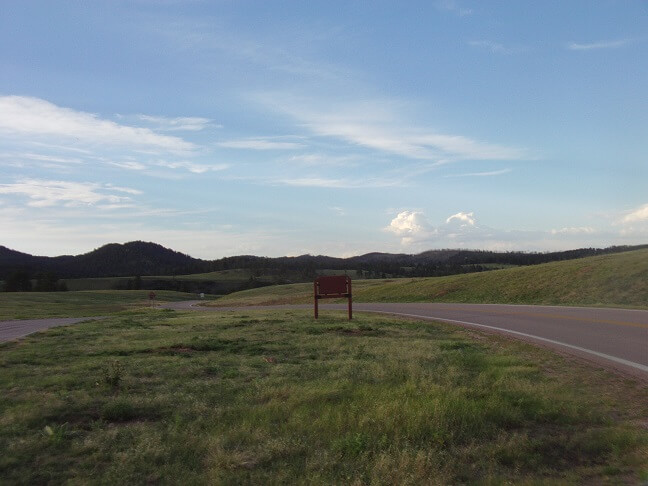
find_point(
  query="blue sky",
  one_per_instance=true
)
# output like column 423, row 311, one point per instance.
column 281, row 128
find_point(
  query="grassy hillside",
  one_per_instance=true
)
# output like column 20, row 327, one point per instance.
column 608, row 280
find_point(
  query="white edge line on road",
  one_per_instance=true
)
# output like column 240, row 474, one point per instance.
column 571, row 346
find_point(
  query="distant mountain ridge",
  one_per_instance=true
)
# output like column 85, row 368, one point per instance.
column 147, row 258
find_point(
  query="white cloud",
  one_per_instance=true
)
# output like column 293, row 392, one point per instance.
column 612, row 44
column 183, row 123
column 32, row 117
column 462, row 218
column 481, row 174
column 43, row 193
column 574, row 230
column 42, row 158
column 128, row 164
column 454, row 7
column 192, row 166
column 337, row 183
column 260, row 144
column 408, row 224
column 495, row 47
column 462, row 230
column 637, row 215
column 376, row 125
column 323, row 160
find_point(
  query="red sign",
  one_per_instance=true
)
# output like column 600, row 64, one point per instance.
column 334, row 287
column 151, row 295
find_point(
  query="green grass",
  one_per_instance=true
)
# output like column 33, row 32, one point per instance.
column 610, row 280
column 35, row 305
column 237, row 276
column 154, row 396
column 230, row 279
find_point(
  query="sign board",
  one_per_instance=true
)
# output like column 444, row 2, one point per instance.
column 334, row 287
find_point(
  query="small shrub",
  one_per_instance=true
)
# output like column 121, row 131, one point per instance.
column 55, row 434
column 113, row 374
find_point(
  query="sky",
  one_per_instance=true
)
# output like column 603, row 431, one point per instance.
column 274, row 128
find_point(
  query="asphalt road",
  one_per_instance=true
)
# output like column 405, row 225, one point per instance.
column 10, row 330
column 614, row 338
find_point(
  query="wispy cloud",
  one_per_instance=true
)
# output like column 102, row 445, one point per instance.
column 609, row 44
column 192, row 166
column 495, row 47
column 260, row 144
column 573, row 230
column 184, row 123
column 41, row 158
column 43, row 193
column 33, row 117
column 454, row 7
column 481, row 174
column 337, row 183
column 378, row 126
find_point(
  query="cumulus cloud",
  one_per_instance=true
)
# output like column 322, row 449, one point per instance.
column 464, row 219
column 408, row 223
column 44, row 193
column 462, row 230
column 32, row 117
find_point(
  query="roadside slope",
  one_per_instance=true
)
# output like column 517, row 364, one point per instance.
column 619, row 280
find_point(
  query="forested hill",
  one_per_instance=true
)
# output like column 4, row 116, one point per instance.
column 144, row 258
column 112, row 260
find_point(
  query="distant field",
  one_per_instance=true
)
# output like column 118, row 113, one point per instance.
column 163, row 397
column 35, row 305
column 609, row 280
column 227, row 280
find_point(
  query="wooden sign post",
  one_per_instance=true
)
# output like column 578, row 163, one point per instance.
column 336, row 287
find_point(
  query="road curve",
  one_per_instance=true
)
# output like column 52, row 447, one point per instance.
column 615, row 338
column 10, row 330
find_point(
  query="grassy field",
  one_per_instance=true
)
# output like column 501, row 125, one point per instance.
column 36, row 305
column 610, row 280
column 229, row 279
column 237, row 276
column 152, row 396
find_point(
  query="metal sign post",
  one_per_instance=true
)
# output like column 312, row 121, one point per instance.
column 335, row 287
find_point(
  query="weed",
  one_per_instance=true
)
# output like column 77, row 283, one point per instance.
column 113, row 374
column 55, row 434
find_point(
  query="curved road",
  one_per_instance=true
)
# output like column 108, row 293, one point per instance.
column 615, row 338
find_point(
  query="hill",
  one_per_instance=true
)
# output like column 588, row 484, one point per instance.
column 139, row 258
column 128, row 259
column 607, row 280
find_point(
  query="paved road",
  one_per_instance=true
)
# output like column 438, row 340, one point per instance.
column 616, row 338
column 10, row 330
